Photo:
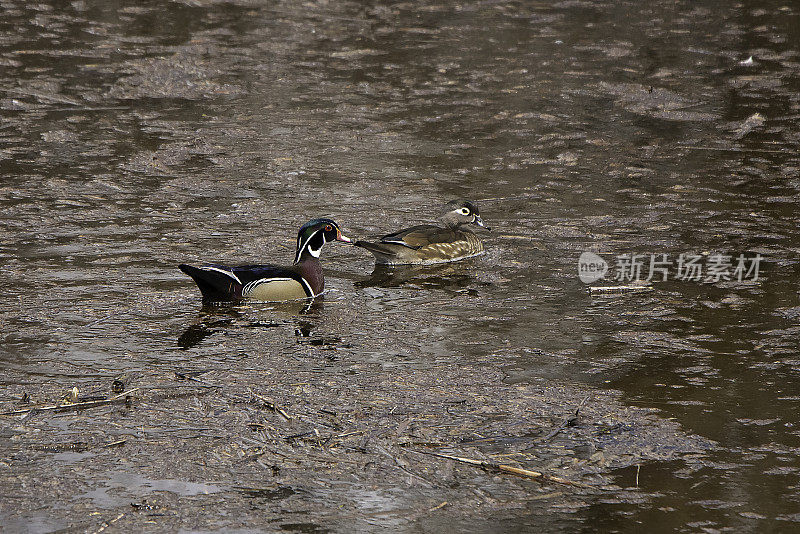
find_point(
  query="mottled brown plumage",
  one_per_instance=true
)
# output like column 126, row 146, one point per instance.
column 428, row 243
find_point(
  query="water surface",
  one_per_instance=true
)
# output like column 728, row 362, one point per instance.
column 138, row 135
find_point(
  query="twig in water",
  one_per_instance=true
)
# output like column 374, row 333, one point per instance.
column 398, row 464
column 108, row 523
column 619, row 289
column 437, row 507
column 188, row 376
column 300, row 435
column 272, row 406
column 73, row 405
column 346, row 434
column 565, row 423
column 491, row 466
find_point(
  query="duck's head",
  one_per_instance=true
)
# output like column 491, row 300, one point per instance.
column 314, row 234
column 458, row 212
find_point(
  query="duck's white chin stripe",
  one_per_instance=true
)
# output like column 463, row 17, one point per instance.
column 306, row 245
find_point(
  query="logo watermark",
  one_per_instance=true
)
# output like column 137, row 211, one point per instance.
column 591, row 267
column 660, row 267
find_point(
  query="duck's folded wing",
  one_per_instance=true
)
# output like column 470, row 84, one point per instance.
column 419, row 236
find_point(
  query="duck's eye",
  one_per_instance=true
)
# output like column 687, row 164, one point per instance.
column 464, row 211
column 328, row 228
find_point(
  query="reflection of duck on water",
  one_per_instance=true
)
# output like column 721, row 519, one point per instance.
column 212, row 319
column 443, row 277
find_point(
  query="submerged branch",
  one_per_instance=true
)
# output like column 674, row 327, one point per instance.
column 492, row 466
column 72, row 405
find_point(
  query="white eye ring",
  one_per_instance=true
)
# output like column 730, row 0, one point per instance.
column 464, row 211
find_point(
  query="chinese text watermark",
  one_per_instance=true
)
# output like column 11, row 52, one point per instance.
column 660, row 267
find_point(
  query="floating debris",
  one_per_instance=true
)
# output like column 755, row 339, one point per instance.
column 752, row 122
column 620, row 289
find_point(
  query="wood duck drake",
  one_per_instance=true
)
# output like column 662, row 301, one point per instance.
column 302, row 280
column 428, row 243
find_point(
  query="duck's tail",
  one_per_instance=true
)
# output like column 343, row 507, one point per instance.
column 216, row 283
column 383, row 253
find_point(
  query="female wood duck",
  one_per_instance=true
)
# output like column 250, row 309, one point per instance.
column 427, row 243
column 302, row 280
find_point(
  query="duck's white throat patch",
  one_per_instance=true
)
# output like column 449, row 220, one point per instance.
column 314, row 252
column 307, row 246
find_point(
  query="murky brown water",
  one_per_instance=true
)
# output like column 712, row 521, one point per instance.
column 138, row 135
